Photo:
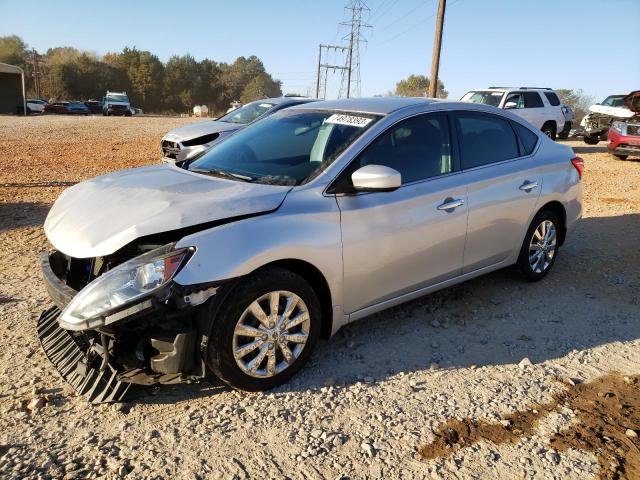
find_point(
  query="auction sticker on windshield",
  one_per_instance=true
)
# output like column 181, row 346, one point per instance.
column 352, row 120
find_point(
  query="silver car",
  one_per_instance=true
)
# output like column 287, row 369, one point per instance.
column 314, row 217
column 186, row 142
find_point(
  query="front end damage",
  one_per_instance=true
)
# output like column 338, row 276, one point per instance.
column 154, row 338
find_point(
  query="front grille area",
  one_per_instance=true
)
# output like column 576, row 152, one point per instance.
column 170, row 149
column 118, row 107
column 633, row 129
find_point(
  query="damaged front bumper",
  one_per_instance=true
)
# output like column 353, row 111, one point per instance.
column 155, row 343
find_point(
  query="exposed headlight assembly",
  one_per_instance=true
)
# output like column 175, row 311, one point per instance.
column 125, row 285
column 620, row 127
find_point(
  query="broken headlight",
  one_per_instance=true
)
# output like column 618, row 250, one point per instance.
column 125, row 284
column 619, row 127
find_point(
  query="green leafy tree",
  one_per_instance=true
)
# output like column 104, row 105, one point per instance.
column 262, row 86
column 418, row 86
column 577, row 100
column 13, row 51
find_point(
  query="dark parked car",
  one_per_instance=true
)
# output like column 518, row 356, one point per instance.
column 94, row 106
column 57, row 107
column 74, row 108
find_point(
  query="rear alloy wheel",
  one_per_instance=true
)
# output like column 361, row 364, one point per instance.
column 549, row 130
column 540, row 247
column 264, row 331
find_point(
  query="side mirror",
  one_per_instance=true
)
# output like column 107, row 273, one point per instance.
column 510, row 105
column 376, row 178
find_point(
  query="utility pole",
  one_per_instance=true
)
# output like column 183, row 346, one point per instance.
column 351, row 80
column 323, row 68
column 437, row 44
column 36, row 72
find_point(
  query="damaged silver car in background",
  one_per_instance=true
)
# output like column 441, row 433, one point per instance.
column 186, row 142
column 316, row 216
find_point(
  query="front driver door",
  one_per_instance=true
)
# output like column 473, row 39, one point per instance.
column 400, row 241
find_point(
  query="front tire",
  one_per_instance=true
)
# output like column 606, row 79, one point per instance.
column 620, row 157
column 540, row 247
column 591, row 139
column 264, row 331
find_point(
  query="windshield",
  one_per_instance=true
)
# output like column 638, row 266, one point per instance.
column 246, row 114
column 286, row 148
column 117, row 98
column 485, row 98
column 614, row 101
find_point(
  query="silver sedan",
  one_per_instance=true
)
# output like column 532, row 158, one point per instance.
column 314, row 217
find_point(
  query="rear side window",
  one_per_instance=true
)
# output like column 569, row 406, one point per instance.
column 553, row 98
column 532, row 100
column 418, row 148
column 485, row 139
column 528, row 139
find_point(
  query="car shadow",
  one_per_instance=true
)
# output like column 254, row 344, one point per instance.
column 591, row 298
column 22, row 214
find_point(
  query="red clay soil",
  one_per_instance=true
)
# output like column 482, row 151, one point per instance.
column 607, row 424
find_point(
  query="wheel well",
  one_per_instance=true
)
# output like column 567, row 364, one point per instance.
column 552, row 123
column 558, row 209
column 319, row 284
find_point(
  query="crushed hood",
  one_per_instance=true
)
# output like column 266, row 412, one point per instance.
column 99, row 216
column 195, row 130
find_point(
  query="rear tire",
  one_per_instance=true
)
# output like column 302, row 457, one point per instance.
column 549, row 129
column 620, row 157
column 540, row 246
column 591, row 139
column 274, row 341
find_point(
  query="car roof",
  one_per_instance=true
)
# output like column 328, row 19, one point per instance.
column 284, row 100
column 375, row 105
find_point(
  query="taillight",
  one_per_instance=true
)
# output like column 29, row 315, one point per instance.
column 578, row 164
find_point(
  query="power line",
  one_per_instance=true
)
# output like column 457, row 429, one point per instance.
column 420, row 24
column 406, row 14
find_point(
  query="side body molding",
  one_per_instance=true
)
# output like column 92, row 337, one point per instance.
column 306, row 227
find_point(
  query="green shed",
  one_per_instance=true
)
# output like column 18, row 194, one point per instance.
column 12, row 99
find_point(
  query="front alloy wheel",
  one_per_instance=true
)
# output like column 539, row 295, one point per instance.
column 540, row 247
column 271, row 334
column 264, row 330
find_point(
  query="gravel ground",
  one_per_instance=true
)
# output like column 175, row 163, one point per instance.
column 370, row 398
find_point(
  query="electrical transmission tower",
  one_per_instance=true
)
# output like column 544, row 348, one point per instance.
column 351, row 84
column 324, row 67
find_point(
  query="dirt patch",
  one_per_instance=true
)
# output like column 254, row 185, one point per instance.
column 607, row 422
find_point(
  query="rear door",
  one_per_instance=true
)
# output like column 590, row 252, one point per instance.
column 503, row 182
column 400, row 241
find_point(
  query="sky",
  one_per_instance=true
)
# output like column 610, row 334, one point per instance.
column 589, row 44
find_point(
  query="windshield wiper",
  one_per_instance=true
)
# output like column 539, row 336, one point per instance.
column 223, row 173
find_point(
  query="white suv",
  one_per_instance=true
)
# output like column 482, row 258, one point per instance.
column 541, row 107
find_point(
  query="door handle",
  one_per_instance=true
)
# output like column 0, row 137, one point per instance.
column 527, row 186
column 450, row 204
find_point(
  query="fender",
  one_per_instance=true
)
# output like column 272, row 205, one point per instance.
column 309, row 232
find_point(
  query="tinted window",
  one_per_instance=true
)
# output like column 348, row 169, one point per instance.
column 418, row 148
column 532, row 100
column 553, row 98
column 485, row 139
column 528, row 139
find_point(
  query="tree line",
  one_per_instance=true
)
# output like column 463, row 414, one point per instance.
column 67, row 73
